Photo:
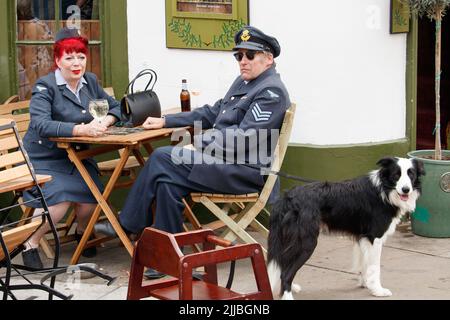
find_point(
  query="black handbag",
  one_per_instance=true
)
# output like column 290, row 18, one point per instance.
column 137, row 107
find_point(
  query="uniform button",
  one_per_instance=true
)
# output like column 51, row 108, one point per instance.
column 232, row 98
column 77, row 147
column 224, row 111
column 40, row 142
column 84, row 111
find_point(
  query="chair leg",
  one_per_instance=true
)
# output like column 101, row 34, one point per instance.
column 237, row 231
column 189, row 214
column 47, row 248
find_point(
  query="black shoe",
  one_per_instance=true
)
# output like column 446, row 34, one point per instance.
column 152, row 274
column 31, row 259
column 105, row 228
column 88, row 252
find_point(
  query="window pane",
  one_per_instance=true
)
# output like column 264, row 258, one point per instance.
column 29, row 26
column 94, row 61
column 89, row 28
column 85, row 9
column 33, row 62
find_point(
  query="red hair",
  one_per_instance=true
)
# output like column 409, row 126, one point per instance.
column 70, row 45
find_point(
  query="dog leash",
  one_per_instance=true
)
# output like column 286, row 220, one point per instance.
column 289, row 176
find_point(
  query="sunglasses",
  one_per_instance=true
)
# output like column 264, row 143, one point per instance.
column 250, row 54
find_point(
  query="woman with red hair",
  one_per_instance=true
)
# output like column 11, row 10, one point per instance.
column 59, row 107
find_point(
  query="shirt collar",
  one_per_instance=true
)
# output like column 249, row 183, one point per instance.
column 60, row 81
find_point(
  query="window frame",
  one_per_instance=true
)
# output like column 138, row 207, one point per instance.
column 114, row 62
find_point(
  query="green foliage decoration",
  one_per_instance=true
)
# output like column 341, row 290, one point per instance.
column 183, row 29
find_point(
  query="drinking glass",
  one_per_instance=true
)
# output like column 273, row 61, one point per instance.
column 99, row 109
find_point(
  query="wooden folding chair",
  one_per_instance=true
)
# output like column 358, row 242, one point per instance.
column 17, row 175
column 248, row 206
column 161, row 251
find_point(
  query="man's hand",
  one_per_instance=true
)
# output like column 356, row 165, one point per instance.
column 154, row 123
column 109, row 120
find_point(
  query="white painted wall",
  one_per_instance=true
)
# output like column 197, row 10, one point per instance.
column 338, row 60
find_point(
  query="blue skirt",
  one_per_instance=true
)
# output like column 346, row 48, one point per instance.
column 65, row 187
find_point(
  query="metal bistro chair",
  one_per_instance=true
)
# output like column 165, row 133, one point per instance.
column 17, row 174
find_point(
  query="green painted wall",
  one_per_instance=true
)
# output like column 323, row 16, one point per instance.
column 334, row 163
column 7, row 77
column 116, row 44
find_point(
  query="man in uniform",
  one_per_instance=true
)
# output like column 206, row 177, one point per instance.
column 256, row 101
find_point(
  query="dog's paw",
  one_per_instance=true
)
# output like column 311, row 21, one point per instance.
column 361, row 282
column 296, row 288
column 287, row 296
column 381, row 292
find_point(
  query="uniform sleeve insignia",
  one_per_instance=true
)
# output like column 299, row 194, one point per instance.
column 260, row 115
column 272, row 94
column 40, row 88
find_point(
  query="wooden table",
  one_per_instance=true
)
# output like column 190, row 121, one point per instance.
column 130, row 144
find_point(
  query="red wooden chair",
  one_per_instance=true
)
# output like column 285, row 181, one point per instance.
column 161, row 251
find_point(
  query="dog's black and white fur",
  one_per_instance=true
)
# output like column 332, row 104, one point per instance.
column 367, row 208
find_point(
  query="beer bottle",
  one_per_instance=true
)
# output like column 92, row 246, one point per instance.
column 185, row 97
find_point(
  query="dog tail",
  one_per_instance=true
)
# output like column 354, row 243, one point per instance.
column 294, row 228
column 274, row 271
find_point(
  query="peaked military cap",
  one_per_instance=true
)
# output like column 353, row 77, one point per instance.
column 252, row 38
column 66, row 33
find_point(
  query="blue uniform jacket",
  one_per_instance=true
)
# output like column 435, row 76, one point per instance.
column 54, row 111
column 258, row 104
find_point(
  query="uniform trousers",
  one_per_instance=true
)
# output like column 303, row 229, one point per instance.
column 165, row 180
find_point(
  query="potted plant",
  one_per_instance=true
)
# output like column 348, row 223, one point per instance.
column 432, row 216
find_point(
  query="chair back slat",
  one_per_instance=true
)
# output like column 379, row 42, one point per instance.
column 14, row 173
column 10, row 108
column 11, row 159
column 9, row 142
column 19, row 112
column 110, row 91
column 15, row 237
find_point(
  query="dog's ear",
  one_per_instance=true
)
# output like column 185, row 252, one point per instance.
column 386, row 162
column 419, row 166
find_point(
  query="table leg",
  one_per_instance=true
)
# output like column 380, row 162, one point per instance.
column 102, row 202
column 139, row 157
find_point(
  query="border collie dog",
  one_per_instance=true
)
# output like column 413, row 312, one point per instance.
column 367, row 209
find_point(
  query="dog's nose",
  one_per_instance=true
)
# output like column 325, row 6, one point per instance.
column 406, row 189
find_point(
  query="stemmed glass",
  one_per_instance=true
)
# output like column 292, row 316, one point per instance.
column 99, row 109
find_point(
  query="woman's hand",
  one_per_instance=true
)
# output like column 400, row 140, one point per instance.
column 93, row 129
column 154, row 123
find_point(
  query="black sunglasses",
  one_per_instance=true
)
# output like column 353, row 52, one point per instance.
column 250, row 54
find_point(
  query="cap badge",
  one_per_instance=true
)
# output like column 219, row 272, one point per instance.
column 245, row 36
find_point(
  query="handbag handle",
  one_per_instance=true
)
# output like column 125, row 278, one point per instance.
column 153, row 76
